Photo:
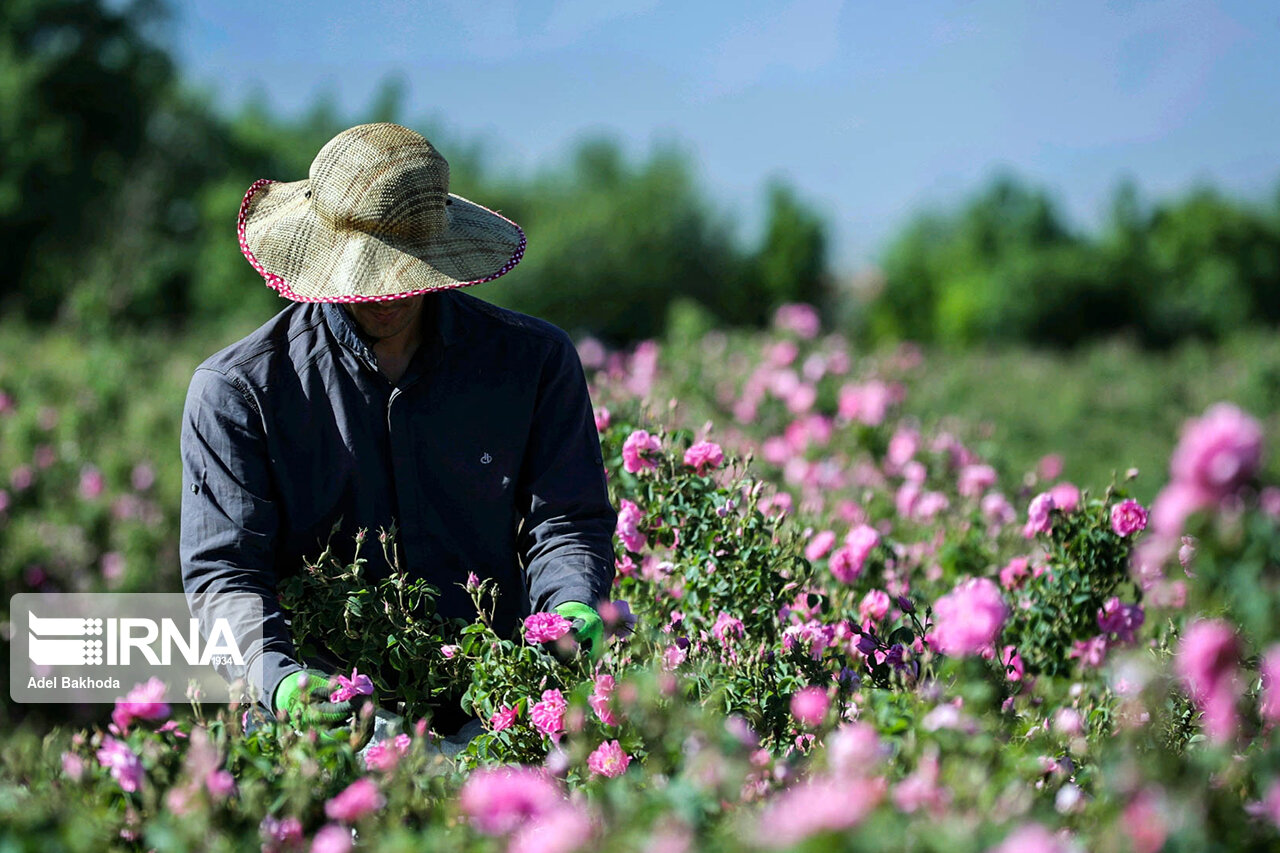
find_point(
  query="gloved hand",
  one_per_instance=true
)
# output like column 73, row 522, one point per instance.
column 588, row 627
column 305, row 698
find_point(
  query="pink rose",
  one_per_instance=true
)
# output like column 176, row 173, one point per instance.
column 358, row 799
column 817, row 805
column 848, row 562
column 1038, row 518
column 349, row 688
column 797, row 317
column 1269, row 706
column 809, row 706
column 1066, row 497
column 997, row 510
column 637, row 450
column 902, row 448
column 1218, row 452
column 820, row 545
column 1091, row 652
column 602, row 698
column 92, row 483
column 976, row 479
column 501, row 800
column 547, row 716
column 704, row 455
column 1014, row 573
column 874, row 606
column 125, row 767
column 1128, row 517
column 545, row 628
column 1030, row 838
column 1173, row 506
column 969, row 618
column 332, row 838
column 143, row 702
column 728, row 628
column 385, row 755
column 603, row 417
column 1049, row 467
column 629, row 518
column 504, row 718
column 286, row 832
column 1206, row 662
column 609, row 760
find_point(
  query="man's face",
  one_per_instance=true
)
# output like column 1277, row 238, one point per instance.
column 382, row 320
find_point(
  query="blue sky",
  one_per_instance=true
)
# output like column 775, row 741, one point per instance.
column 872, row 110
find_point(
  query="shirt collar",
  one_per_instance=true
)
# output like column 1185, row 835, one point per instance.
column 440, row 325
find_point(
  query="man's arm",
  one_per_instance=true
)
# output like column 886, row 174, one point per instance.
column 230, row 522
column 567, row 538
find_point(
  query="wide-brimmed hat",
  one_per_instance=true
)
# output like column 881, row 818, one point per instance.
column 373, row 221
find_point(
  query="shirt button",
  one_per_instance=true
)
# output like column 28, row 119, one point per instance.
column 194, row 488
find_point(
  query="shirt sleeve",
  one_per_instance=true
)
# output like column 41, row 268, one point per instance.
column 229, row 526
column 566, row 541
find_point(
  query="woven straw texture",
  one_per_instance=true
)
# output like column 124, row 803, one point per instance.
column 373, row 221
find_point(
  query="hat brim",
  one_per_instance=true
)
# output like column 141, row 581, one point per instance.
column 305, row 259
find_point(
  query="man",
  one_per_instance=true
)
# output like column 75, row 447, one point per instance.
column 385, row 395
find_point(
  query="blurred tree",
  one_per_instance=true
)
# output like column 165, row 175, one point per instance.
column 611, row 245
column 1215, row 268
column 941, row 280
column 80, row 82
column 791, row 263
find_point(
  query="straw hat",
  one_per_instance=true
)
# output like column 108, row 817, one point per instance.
column 373, row 221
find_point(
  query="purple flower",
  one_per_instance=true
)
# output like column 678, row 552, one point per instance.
column 618, row 619
column 1120, row 619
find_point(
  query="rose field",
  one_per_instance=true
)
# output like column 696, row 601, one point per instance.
column 898, row 599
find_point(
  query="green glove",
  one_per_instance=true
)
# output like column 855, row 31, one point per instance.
column 588, row 627
column 304, row 697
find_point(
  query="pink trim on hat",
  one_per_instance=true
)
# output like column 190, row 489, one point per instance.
column 278, row 284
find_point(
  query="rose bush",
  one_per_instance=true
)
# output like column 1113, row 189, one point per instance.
column 850, row 631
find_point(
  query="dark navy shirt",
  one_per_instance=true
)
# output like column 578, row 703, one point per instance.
column 485, row 456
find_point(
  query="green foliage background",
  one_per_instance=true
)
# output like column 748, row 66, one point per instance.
column 119, row 188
